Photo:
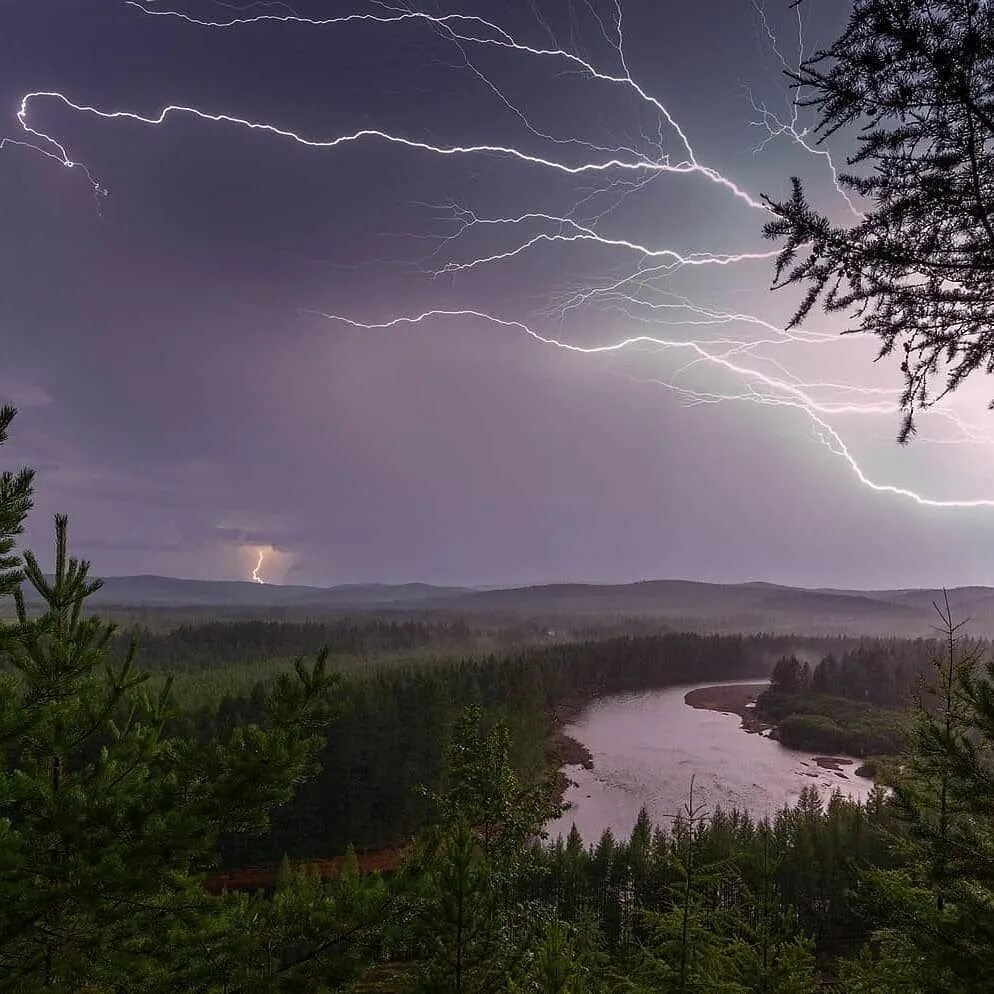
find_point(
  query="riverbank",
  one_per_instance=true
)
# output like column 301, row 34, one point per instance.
column 567, row 751
column 266, row 877
column 647, row 748
column 739, row 698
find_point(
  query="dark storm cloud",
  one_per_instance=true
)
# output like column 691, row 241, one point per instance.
column 180, row 403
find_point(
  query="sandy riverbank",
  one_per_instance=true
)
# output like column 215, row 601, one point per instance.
column 738, row 698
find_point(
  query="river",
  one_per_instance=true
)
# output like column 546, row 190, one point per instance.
column 646, row 747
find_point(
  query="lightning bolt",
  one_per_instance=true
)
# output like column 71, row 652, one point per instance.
column 756, row 354
column 781, row 393
column 258, row 566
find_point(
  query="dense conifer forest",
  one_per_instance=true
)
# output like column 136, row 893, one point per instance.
column 389, row 738
column 120, row 799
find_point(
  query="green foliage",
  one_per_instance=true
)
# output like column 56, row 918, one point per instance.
column 15, row 503
column 934, row 910
column 311, row 934
column 827, row 724
column 770, row 954
column 804, row 863
column 484, row 790
column 107, row 818
column 682, row 955
column 813, row 731
column 723, row 925
column 464, row 936
column 468, row 924
column 566, row 960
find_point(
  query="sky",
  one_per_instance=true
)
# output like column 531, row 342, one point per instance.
column 363, row 301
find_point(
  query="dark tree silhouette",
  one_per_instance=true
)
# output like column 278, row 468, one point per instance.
column 917, row 271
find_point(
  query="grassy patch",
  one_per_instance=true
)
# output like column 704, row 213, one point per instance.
column 823, row 723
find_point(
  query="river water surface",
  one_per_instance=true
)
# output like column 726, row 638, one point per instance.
column 647, row 746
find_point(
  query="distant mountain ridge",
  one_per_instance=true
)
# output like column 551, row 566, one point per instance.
column 149, row 590
column 753, row 606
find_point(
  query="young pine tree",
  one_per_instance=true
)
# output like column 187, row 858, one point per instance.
column 15, row 503
column 769, row 953
column 935, row 910
column 107, row 820
column 566, row 960
column 686, row 949
column 475, row 935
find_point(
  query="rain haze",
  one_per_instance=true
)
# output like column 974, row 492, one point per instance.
column 407, row 354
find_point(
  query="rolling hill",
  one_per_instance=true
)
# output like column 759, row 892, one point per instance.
column 674, row 603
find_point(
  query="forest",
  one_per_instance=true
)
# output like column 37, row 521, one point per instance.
column 389, row 738
column 119, row 806
column 121, row 803
column 854, row 702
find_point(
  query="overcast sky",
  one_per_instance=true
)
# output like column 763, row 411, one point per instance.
column 185, row 402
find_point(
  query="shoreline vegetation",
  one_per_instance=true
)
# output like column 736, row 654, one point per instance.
column 564, row 750
column 745, row 701
column 831, row 726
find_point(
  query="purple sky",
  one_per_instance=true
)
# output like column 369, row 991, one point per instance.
column 181, row 400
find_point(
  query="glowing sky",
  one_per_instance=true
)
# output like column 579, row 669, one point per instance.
column 387, row 294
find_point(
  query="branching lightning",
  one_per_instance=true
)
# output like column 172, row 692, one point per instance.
column 755, row 354
column 760, row 389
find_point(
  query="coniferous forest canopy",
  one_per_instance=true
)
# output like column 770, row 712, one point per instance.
column 358, row 803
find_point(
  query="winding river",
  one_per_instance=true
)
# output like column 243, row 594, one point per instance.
column 646, row 747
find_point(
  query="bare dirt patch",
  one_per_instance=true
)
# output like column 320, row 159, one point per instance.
column 739, row 698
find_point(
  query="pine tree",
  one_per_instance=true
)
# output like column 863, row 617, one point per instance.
column 474, row 933
column 686, row 948
column 769, row 953
column 311, row 934
column 935, row 911
column 15, row 503
column 567, row 960
column 107, row 819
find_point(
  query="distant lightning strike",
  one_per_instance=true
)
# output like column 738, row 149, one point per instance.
column 642, row 295
column 258, row 566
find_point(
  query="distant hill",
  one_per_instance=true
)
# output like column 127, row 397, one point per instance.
column 677, row 603
column 170, row 592
column 742, row 607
